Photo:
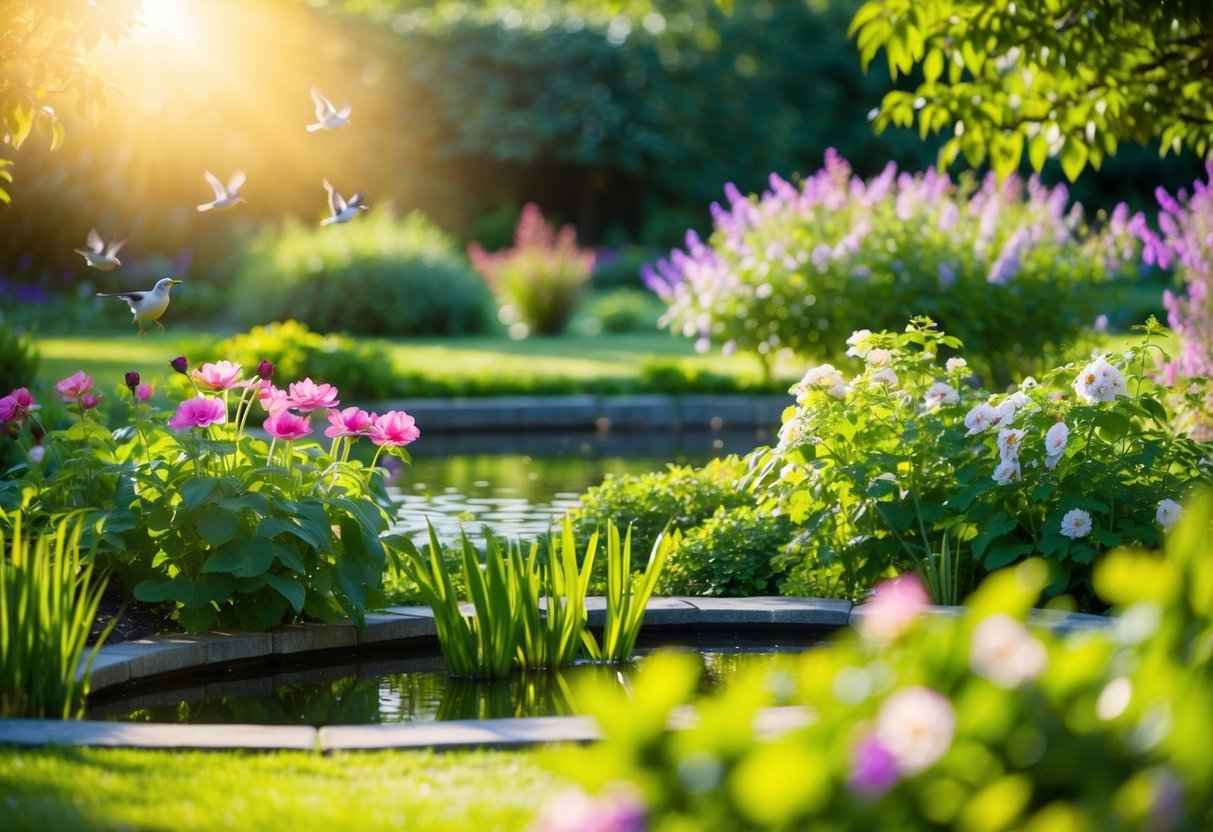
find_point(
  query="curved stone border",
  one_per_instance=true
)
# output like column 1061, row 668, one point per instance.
column 146, row 659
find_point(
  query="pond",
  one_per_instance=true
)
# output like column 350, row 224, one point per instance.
column 520, row 483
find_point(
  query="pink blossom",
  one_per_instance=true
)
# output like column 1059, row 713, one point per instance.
column 143, row 392
column 893, row 608
column 198, row 412
column 394, row 429
column 71, row 388
column 349, row 422
column 873, row 768
column 24, row 399
column 1009, row 441
column 916, row 726
column 8, row 409
column 939, row 394
column 89, row 400
column 955, row 364
column 273, row 399
column 307, row 396
column 221, row 375
column 1005, row 652
column 286, row 425
column 1007, row 472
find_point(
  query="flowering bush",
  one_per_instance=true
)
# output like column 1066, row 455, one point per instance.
column 539, row 281
column 978, row 722
column 907, row 465
column 1006, row 268
column 1186, row 245
column 192, row 509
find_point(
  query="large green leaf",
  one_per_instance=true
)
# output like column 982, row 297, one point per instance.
column 243, row 558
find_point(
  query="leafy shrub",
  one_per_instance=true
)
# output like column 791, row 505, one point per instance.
column 621, row 310
column 365, row 369
column 19, row 357
column 906, row 465
column 730, row 553
column 192, row 510
column 540, row 280
column 380, row 275
column 978, row 722
column 1006, row 268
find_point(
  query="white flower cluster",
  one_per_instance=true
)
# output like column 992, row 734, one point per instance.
column 824, row 377
column 1099, row 381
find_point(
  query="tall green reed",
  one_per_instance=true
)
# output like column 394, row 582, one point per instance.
column 48, row 601
column 627, row 594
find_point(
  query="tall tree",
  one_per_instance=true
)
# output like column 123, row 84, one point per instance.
column 1070, row 79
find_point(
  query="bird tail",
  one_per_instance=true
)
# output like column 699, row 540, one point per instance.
column 312, row 128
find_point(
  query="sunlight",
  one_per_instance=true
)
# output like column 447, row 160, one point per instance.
column 165, row 18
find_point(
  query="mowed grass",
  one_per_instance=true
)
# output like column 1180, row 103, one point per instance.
column 57, row 788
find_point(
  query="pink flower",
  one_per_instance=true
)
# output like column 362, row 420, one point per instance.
column 307, row 396
column 286, row 425
column 349, row 422
column 939, row 394
column 394, row 429
column 893, row 608
column 72, row 387
column 873, row 768
column 143, row 392
column 222, row 375
column 25, row 401
column 199, row 412
column 273, row 399
column 8, row 409
column 89, row 400
column 916, row 725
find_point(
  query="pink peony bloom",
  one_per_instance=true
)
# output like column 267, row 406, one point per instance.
column 893, row 608
column 394, row 429
column 143, row 392
column 221, row 375
column 873, row 767
column 273, row 399
column 8, row 409
column 349, row 422
column 89, row 400
column 198, row 412
column 307, row 396
column 286, row 425
column 72, row 387
column 24, row 399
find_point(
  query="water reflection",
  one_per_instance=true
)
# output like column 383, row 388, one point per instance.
column 520, row 483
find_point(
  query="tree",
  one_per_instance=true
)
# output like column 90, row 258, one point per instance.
column 41, row 59
column 1070, row 79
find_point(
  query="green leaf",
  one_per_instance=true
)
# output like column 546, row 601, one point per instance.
column 290, row 589
column 216, row 525
column 179, row 589
column 194, row 492
column 274, row 526
column 1073, row 157
column 289, row 558
column 242, row 558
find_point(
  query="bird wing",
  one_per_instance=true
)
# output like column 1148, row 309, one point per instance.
column 344, row 112
column 95, row 242
column 324, row 107
column 356, row 200
column 235, row 183
column 216, row 185
column 336, row 202
column 116, row 245
column 132, row 298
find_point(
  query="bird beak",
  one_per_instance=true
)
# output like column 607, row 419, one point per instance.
column 175, row 282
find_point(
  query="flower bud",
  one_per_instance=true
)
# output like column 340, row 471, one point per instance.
column 180, row 364
column 89, row 400
column 265, row 369
column 132, row 380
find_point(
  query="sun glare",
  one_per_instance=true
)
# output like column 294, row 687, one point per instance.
column 165, row 18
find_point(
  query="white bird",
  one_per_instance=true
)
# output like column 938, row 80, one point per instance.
column 225, row 197
column 328, row 117
column 342, row 210
column 99, row 255
column 146, row 306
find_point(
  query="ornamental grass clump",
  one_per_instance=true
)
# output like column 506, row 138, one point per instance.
column 538, row 282
column 192, row 509
column 1010, row 268
column 48, row 601
column 903, row 463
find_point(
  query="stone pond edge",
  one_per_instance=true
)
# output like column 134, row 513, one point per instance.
column 144, row 659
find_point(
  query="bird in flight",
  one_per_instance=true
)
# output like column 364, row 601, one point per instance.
column 146, row 306
column 328, row 117
column 225, row 196
column 99, row 255
column 341, row 209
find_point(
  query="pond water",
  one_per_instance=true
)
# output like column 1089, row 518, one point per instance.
column 521, row 483
column 385, row 690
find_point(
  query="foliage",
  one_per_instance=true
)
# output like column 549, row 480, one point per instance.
column 978, row 721
column 380, row 275
column 19, row 357
column 366, row 372
column 1069, row 80
column 48, row 600
column 627, row 594
column 731, row 553
column 681, row 497
column 1186, row 245
column 43, row 45
column 554, row 637
column 880, row 471
column 1006, row 267
column 539, row 281
column 620, row 310
column 195, row 511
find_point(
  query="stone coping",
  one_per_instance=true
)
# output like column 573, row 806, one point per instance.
column 157, row 656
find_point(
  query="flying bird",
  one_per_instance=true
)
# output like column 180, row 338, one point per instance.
column 342, row 210
column 225, row 196
column 328, row 117
column 99, row 255
column 146, row 306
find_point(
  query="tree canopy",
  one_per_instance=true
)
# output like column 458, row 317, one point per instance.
column 1065, row 79
column 41, row 48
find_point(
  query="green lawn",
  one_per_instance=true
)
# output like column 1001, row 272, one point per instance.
column 93, row 788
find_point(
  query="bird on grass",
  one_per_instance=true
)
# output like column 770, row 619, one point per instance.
column 146, row 306
column 225, row 196
column 343, row 210
column 99, row 254
column 328, row 117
